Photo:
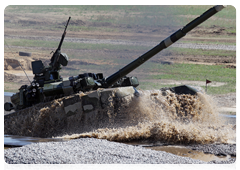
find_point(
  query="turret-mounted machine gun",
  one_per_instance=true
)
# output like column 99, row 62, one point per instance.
column 48, row 84
column 44, row 76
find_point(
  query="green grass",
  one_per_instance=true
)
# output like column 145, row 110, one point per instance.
column 228, row 13
column 70, row 45
column 197, row 72
column 202, row 52
column 194, row 72
column 150, row 10
column 215, row 42
column 10, row 87
column 141, row 49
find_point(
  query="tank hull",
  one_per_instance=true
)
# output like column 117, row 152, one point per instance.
column 90, row 110
column 77, row 113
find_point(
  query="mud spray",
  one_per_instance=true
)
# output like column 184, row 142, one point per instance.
column 168, row 117
column 153, row 115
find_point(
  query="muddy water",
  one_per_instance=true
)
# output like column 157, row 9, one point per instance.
column 17, row 141
column 169, row 118
column 185, row 152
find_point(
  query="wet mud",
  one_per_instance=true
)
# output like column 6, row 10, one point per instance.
column 187, row 152
column 218, row 149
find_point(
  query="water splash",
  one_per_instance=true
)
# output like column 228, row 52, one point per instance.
column 154, row 115
column 169, row 118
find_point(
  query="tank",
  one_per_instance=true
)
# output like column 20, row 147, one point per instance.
column 48, row 85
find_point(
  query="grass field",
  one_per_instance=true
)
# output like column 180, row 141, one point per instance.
column 72, row 45
column 199, row 72
column 128, row 15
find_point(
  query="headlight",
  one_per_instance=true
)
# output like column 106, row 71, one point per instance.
column 34, row 90
column 33, row 84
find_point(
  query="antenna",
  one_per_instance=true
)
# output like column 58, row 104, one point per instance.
column 18, row 62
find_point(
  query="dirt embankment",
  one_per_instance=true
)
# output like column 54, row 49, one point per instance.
column 13, row 64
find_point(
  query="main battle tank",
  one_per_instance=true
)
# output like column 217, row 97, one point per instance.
column 48, row 85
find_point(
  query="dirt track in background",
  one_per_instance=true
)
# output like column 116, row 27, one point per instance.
column 150, row 37
column 11, row 63
column 40, row 26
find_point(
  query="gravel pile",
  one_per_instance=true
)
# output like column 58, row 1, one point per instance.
column 90, row 151
column 217, row 149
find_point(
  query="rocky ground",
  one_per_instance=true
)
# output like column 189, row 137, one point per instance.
column 216, row 149
column 97, row 151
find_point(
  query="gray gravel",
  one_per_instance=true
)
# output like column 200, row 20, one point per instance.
column 90, row 151
column 217, row 149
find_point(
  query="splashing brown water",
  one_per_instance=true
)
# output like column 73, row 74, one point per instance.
column 169, row 118
column 154, row 115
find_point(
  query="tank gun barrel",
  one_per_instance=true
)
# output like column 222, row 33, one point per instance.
column 162, row 45
column 63, row 36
